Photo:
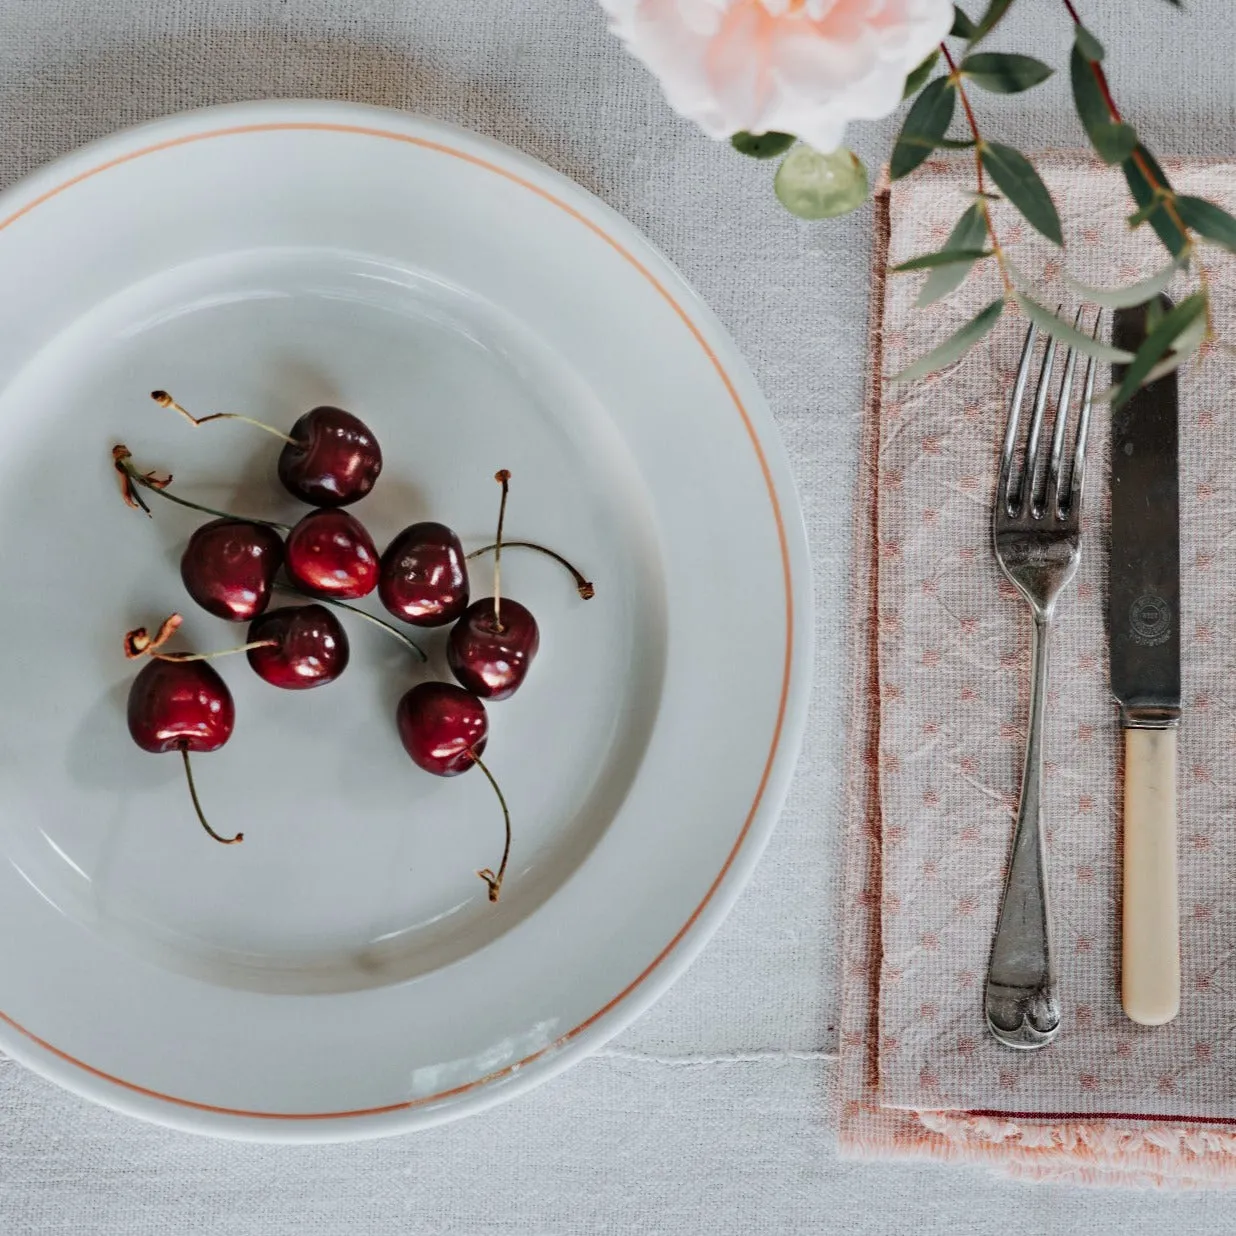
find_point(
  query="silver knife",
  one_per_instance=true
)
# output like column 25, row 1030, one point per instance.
column 1144, row 642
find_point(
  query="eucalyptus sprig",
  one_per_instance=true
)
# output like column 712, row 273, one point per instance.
column 815, row 186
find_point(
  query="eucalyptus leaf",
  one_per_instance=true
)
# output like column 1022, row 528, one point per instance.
column 1154, row 347
column 1088, row 45
column 1087, row 97
column 1113, row 142
column 956, row 143
column 945, row 257
column 970, row 232
column 1004, row 72
column 955, row 346
column 1021, row 280
column 1145, row 196
column 1186, row 346
column 1187, row 343
column 987, row 23
column 1155, row 168
column 1208, row 220
column 1069, row 335
column 1127, row 297
column 812, row 185
column 1169, row 364
column 1139, row 216
column 918, row 78
column 963, row 27
column 1022, row 185
column 926, row 124
column 762, row 145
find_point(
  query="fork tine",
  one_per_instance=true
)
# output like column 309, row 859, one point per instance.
column 1051, row 500
column 1003, row 497
column 1077, row 478
column 1026, row 485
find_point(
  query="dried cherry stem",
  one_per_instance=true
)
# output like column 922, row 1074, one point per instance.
column 164, row 400
column 197, row 806
column 406, row 640
column 503, row 478
column 583, row 586
column 495, row 881
column 140, row 643
column 131, row 478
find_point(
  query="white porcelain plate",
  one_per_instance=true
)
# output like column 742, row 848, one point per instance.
column 342, row 973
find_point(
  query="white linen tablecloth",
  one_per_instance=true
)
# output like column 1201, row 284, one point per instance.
column 714, row 1112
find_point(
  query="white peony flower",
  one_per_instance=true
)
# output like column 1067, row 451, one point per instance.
column 806, row 67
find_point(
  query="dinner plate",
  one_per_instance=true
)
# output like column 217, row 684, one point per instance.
column 342, row 973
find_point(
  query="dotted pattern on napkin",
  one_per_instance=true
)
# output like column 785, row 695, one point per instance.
column 953, row 662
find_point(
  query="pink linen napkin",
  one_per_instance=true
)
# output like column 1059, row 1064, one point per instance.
column 938, row 710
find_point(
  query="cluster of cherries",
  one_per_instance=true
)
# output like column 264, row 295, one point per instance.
column 232, row 568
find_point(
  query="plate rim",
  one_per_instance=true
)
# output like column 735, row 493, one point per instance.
column 185, row 128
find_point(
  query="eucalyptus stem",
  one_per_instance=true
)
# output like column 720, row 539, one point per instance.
column 1163, row 192
column 406, row 640
column 980, row 182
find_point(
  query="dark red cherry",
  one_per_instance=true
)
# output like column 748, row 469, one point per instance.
column 180, row 705
column 311, row 647
column 331, row 554
column 229, row 567
column 424, row 576
column 335, row 459
column 490, row 652
column 442, row 727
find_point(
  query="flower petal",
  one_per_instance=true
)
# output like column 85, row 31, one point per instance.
column 805, row 67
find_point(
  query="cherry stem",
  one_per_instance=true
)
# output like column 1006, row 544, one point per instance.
column 164, row 400
column 140, row 643
column 495, row 881
column 210, row 656
column 583, row 586
column 504, row 479
column 139, row 478
column 197, row 806
column 406, row 640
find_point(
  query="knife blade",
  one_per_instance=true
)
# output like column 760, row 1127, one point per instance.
column 1144, row 654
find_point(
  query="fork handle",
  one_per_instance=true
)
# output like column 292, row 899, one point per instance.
column 1021, row 1001
column 1150, row 962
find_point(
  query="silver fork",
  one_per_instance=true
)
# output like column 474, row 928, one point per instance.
column 1036, row 533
